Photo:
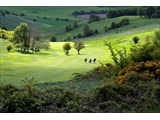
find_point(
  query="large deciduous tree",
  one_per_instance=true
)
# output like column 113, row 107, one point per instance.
column 149, row 11
column 78, row 46
column 27, row 37
column 21, row 37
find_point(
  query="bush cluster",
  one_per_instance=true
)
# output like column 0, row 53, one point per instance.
column 123, row 22
column 140, row 71
column 4, row 34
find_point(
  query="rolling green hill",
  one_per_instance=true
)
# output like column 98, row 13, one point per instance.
column 53, row 65
column 45, row 17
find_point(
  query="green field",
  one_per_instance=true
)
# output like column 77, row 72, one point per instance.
column 46, row 26
column 53, row 65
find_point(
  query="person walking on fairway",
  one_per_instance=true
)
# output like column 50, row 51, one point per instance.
column 90, row 60
column 85, row 60
column 94, row 60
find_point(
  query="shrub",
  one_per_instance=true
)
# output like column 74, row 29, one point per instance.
column 53, row 38
column 140, row 71
column 135, row 40
column 9, row 48
column 79, row 36
column 119, row 57
column 148, row 51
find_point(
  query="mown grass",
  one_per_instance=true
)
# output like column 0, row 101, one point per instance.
column 54, row 66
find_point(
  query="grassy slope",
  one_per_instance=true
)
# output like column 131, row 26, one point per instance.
column 53, row 65
column 46, row 26
column 137, row 25
column 54, row 11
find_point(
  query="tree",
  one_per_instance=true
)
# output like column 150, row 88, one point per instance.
column 124, row 21
column 66, row 48
column 113, row 25
column 68, row 28
column 27, row 37
column 78, row 46
column 21, row 37
column 75, row 25
column 140, row 11
column 149, row 11
column 93, row 18
column 9, row 48
column 96, row 31
column 53, row 38
column 68, row 37
column 87, row 31
column 135, row 40
column 157, row 14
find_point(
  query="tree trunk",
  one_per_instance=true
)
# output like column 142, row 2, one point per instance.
column 78, row 52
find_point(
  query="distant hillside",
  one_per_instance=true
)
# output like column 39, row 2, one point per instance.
column 49, row 20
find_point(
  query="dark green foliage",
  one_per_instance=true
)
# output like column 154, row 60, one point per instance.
column 118, row 56
column 135, row 40
column 34, row 20
column 68, row 28
column 79, row 36
column 148, row 51
column 123, row 22
column 157, row 14
column 140, row 11
column 87, row 31
column 4, row 27
column 96, row 31
column 149, row 11
column 53, row 38
column 71, row 27
column 3, row 14
column 9, row 48
column 112, row 13
column 121, row 12
column 66, row 48
column 94, row 18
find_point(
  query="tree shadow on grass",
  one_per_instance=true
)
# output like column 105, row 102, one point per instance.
column 41, row 53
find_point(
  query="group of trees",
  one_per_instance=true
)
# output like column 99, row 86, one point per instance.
column 94, row 18
column 86, row 32
column 26, row 38
column 149, row 12
column 121, row 12
column 6, row 12
column 71, row 26
column 123, row 22
column 78, row 45
column 82, row 12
